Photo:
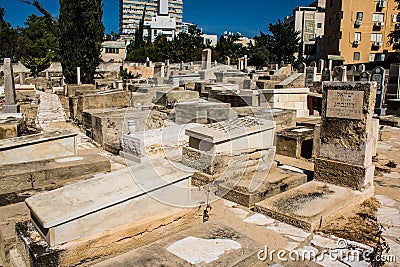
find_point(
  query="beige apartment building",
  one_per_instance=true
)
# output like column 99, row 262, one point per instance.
column 131, row 12
column 356, row 31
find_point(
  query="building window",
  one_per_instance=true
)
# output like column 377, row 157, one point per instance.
column 331, row 3
column 378, row 17
column 330, row 21
column 319, row 25
column 337, row 16
column 357, row 36
column 376, row 37
column 359, row 16
column 329, row 40
column 356, row 56
column 371, row 57
column 112, row 50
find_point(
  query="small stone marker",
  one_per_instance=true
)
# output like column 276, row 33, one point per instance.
column 311, row 73
column 206, row 59
column 378, row 76
column 365, row 76
column 326, row 75
column 10, row 104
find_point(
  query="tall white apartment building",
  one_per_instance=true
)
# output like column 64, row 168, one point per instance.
column 131, row 12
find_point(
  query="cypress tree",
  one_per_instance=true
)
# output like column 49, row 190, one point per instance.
column 81, row 35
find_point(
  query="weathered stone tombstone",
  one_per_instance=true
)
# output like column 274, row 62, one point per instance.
column 378, row 76
column 302, row 68
column 339, row 74
column 10, row 104
column 343, row 172
column 326, row 75
column 361, row 67
column 228, row 61
column 354, row 68
column 313, row 64
column 311, row 75
column 321, row 65
column 364, row 76
column 206, row 59
column 245, row 59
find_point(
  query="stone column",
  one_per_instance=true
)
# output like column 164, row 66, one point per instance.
column 162, row 70
column 245, row 62
column 10, row 104
column 206, row 59
column 346, row 144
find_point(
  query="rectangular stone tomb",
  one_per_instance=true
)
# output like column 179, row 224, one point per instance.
column 167, row 141
column 312, row 205
column 10, row 125
column 295, row 142
column 38, row 147
column 234, row 135
column 109, row 201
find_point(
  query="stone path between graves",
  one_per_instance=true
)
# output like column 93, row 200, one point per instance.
column 51, row 117
column 280, row 236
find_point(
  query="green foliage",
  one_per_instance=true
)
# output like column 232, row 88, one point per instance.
column 283, row 42
column 227, row 47
column 81, row 34
column 38, row 39
column 125, row 74
column 10, row 46
column 394, row 36
column 37, row 64
column 259, row 57
column 185, row 47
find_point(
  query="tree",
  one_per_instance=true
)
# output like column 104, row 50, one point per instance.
column 228, row 46
column 81, row 34
column 39, row 40
column 259, row 57
column 284, row 42
column 37, row 64
column 10, row 45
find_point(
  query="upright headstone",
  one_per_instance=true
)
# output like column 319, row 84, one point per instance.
column 10, row 104
column 245, row 58
column 302, row 68
column 365, row 76
column 21, row 78
column 378, row 76
column 345, row 157
column 361, row 67
column 206, row 59
column 313, row 64
column 181, row 66
column 162, row 70
column 339, row 74
column 78, row 75
column 326, row 75
column 167, row 62
column 321, row 65
column 311, row 75
column 228, row 61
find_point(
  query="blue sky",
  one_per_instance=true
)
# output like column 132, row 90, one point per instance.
column 214, row 16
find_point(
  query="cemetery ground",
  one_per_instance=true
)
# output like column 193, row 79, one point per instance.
column 232, row 222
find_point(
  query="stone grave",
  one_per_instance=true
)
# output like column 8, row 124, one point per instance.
column 206, row 59
column 311, row 75
column 326, row 75
column 38, row 147
column 203, row 112
column 378, row 76
column 67, row 222
column 287, row 98
column 295, row 142
column 10, row 104
column 343, row 175
column 11, row 125
column 393, row 91
column 339, row 74
column 365, row 76
column 234, row 159
column 167, row 141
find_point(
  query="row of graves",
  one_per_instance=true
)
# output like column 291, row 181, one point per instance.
column 187, row 140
